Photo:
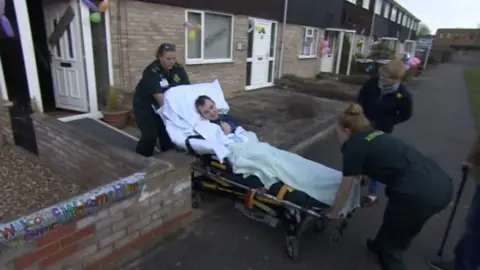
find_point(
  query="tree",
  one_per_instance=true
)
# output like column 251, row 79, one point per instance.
column 423, row 30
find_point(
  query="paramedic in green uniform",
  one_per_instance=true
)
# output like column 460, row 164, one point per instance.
column 416, row 187
column 157, row 78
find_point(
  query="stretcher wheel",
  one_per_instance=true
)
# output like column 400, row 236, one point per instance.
column 292, row 247
column 319, row 225
column 196, row 200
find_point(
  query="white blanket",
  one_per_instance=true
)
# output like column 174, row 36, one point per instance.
column 271, row 165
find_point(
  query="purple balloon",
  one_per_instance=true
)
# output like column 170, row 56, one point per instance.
column 90, row 5
column 6, row 26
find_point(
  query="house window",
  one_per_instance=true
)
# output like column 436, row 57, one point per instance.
column 442, row 35
column 353, row 1
column 393, row 17
column 366, row 4
column 386, row 11
column 378, row 7
column 309, row 43
column 213, row 44
column 404, row 21
column 449, row 35
column 399, row 17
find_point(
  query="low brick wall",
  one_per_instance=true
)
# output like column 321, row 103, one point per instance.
column 106, row 227
column 112, row 223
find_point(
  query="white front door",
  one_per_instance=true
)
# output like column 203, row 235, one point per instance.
column 327, row 60
column 261, row 56
column 67, row 59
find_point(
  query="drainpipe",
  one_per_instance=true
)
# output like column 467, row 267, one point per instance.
column 282, row 48
column 372, row 25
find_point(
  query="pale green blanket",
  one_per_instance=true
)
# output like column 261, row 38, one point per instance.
column 271, row 165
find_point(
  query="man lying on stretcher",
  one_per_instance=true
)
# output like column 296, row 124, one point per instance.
column 268, row 161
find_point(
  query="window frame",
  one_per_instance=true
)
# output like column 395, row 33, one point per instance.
column 378, row 7
column 399, row 17
column 317, row 39
column 393, row 14
column 367, row 7
column 202, row 60
column 386, row 10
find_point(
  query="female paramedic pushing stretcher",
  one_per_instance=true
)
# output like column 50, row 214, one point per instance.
column 157, row 78
column 417, row 188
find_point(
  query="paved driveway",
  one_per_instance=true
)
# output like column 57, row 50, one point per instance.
column 442, row 127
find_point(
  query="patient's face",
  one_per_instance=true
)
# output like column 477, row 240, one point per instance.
column 208, row 110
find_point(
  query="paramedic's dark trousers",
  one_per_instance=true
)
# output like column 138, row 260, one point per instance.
column 467, row 251
column 402, row 221
column 152, row 129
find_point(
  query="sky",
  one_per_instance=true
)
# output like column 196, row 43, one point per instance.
column 445, row 13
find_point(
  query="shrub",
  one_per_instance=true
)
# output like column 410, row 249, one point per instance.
column 113, row 103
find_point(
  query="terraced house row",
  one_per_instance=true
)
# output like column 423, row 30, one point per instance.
column 245, row 44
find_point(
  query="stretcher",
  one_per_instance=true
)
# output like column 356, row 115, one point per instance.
column 212, row 171
column 280, row 203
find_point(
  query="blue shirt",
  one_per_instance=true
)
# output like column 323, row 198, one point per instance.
column 227, row 119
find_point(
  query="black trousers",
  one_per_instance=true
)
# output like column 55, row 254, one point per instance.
column 403, row 220
column 152, row 128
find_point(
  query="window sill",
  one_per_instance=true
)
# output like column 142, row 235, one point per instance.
column 307, row 57
column 207, row 61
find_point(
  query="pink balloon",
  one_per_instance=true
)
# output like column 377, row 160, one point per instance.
column 90, row 5
column 325, row 44
column 6, row 26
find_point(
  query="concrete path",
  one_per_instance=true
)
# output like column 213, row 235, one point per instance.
column 442, row 127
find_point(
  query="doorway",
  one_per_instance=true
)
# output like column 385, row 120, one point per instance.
column 61, row 20
column 262, row 35
column 328, row 59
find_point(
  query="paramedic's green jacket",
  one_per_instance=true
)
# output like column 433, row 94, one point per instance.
column 155, row 80
column 416, row 187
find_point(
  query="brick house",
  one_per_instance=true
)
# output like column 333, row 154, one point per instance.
column 446, row 39
column 69, row 61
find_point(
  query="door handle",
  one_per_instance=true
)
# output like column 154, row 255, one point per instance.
column 66, row 64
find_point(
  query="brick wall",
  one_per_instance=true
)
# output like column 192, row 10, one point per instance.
column 134, row 44
column 85, row 160
column 292, row 63
column 111, row 234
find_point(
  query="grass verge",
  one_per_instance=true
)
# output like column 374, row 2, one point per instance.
column 472, row 79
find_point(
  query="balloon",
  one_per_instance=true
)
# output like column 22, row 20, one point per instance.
column 95, row 17
column 6, row 26
column 192, row 35
column 189, row 25
column 90, row 5
column 325, row 44
column 258, row 28
column 103, row 6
